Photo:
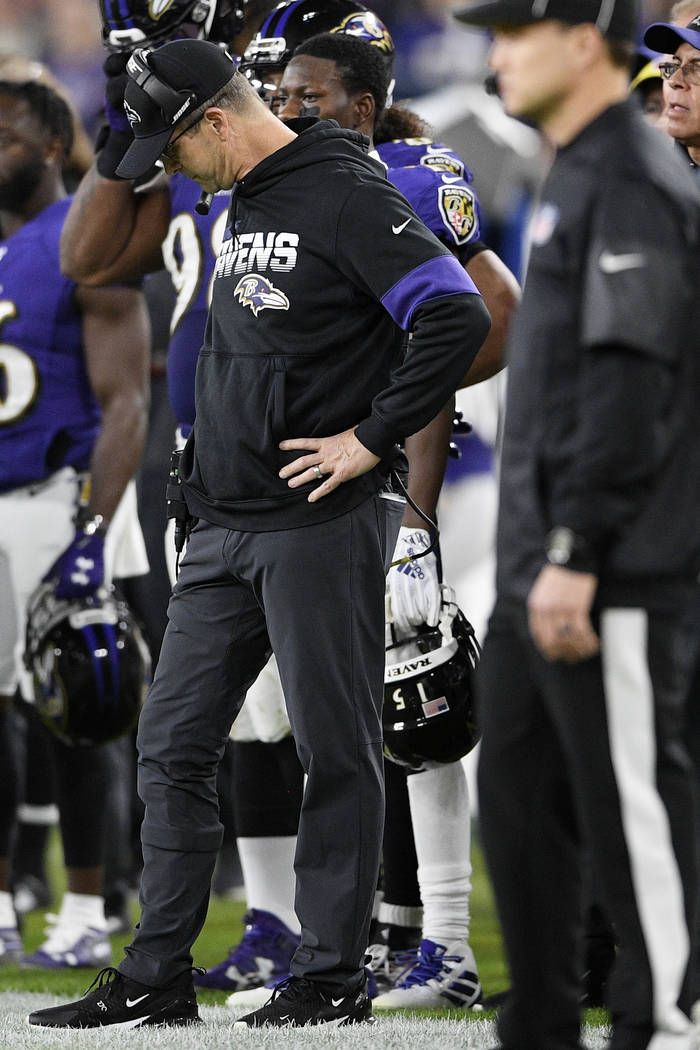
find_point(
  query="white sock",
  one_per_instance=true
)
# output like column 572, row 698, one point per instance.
column 378, row 898
column 439, row 800
column 82, row 909
column 8, row 919
column 400, row 914
column 268, row 875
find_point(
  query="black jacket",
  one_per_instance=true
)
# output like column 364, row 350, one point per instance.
column 323, row 269
column 602, row 431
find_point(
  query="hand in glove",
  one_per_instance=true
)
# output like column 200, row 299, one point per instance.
column 413, row 586
column 80, row 570
column 114, row 68
column 115, row 137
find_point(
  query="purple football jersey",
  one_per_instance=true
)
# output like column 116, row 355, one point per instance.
column 190, row 251
column 49, row 416
column 437, row 184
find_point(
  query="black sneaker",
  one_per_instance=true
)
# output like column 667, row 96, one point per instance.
column 123, row 1003
column 298, row 1001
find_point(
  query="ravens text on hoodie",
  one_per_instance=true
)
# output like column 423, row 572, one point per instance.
column 323, row 271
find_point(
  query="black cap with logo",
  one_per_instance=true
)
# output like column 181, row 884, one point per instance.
column 614, row 18
column 165, row 85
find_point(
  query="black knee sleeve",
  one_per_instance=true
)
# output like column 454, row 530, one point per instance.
column 268, row 784
column 9, row 779
column 399, row 861
column 82, row 782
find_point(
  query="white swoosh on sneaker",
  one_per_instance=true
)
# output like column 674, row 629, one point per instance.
column 134, row 1002
column 611, row 263
column 401, row 228
column 337, row 1002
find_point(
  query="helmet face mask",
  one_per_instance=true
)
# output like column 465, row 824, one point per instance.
column 127, row 24
column 90, row 666
column 428, row 712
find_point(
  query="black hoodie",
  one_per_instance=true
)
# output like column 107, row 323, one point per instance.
column 323, row 269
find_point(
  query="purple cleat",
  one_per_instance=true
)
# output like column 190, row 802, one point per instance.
column 263, row 954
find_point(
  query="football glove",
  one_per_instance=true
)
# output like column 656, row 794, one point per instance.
column 80, row 571
column 114, row 68
column 413, row 584
column 115, row 137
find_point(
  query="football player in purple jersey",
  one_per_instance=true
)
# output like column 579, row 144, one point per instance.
column 73, row 418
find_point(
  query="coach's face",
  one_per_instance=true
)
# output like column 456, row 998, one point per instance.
column 682, row 97
column 535, row 65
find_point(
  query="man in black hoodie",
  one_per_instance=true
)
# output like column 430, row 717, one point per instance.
column 303, row 390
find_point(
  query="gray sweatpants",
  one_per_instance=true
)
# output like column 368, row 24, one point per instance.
column 315, row 595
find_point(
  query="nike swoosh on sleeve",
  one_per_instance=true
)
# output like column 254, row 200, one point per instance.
column 611, row 263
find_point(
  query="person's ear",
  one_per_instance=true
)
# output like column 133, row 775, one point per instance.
column 364, row 108
column 215, row 118
column 54, row 153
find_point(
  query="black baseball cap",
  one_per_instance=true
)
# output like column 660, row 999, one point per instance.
column 164, row 85
column 665, row 39
column 614, row 18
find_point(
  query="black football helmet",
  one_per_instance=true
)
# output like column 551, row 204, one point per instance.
column 294, row 21
column 90, row 665
column 428, row 711
column 127, row 24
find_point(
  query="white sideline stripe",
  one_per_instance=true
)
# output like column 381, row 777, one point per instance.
column 657, row 883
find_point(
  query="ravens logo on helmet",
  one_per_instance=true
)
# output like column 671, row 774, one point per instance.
column 294, row 21
column 366, row 26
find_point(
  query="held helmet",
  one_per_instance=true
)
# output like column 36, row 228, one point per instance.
column 294, row 21
column 127, row 24
column 428, row 711
column 90, row 665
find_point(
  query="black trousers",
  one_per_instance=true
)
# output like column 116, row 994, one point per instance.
column 589, row 757
column 314, row 595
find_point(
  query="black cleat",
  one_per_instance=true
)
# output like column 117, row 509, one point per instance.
column 299, row 1001
column 123, row 1003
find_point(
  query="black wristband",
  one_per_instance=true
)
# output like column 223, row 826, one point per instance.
column 565, row 548
column 90, row 523
column 111, row 146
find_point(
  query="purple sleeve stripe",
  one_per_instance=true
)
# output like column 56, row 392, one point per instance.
column 438, row 277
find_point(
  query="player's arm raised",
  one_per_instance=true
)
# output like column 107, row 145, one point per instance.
column 113, row 233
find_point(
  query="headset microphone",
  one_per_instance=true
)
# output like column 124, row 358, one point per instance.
column 491, row 84
column 204, row 203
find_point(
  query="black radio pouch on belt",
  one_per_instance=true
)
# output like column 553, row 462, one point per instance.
column 176, row 505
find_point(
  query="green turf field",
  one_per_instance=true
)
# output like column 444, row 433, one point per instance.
column 224, row 927
column 23, row 990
